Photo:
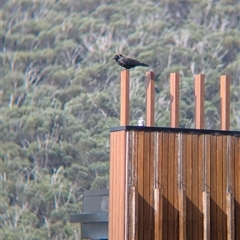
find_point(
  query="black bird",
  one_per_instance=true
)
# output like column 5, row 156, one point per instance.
column 128, row 63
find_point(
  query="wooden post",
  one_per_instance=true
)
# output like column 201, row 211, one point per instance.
column 174, row 95
column 199, row 101
column 124, row 107
column 150, row 78
column 225, row 102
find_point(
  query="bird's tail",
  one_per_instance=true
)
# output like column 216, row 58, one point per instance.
column 144, row 65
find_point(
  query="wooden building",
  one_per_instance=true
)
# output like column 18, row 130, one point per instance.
column 172, row 183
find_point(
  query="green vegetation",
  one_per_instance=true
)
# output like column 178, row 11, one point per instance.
column 59, row 93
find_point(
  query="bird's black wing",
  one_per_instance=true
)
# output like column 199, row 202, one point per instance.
column 133, row 63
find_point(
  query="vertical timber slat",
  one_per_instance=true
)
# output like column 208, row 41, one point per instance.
column 224, row 184
column 230, row 188
column 213, row 187
column 157, row 213
column 140, row 184
column 170, row 187
column 182, row 213
column 134, row 173
column 189, row 187
column 174, row 95
column 225, row 102
column 230, row 216
column 133, row 214
column 170, row 182
column 159, row 187
column 237, row 186
column 124, row 107
column 129, row 186
column 199, row 101
column 195, row 178
column 164, row 185
column 150, row 77
column 206, row 215
column 206, row 188
column 151, row 182
column 200, row 184
column 219, row 187
column 146, row 187
column 181, row 187
column 175, row 188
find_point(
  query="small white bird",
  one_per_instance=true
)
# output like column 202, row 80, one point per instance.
column 140, row 122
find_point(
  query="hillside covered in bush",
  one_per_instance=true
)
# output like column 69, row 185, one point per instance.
column 59, row 93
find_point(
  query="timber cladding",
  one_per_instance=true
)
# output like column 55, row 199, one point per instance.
column 174, row 184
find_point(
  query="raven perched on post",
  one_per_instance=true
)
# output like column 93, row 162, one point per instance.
column 128, row 63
